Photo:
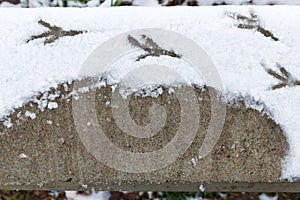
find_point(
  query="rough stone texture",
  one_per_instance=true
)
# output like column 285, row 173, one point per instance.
column 247, row 156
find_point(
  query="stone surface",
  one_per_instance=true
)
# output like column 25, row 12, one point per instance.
column 247, row 156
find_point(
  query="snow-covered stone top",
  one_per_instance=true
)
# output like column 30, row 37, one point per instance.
column 255, row 50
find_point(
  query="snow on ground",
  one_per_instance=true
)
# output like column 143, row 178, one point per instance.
column 73, row 195
column 28, row 68
column 265, row 197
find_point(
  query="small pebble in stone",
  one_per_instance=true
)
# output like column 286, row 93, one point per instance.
column 61, row 140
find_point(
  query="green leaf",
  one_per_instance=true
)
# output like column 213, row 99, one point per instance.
column 117, row 3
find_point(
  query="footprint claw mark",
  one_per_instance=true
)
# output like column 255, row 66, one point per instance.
column 53, row 33
column 252, row 22
column 286, row 78
column 151, row 47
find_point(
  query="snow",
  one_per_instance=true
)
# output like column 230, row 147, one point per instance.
column 7, row 123
column 201, row 188
column 22, row 155
column 30, row 114
column 94, row 196
column 29, row 68
column 9, row 5
column 146, row 3
column 265, row 197
column 52, row 105
column 194, row 162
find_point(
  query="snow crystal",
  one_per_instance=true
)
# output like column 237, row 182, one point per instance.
column 52, row 105
column 53, row 96
column 83, row 89
column 265, row 197
column 8, row 123
column 22, row 155
column 194, row 162
column 19, row 114
column 94, row 196
column 171, row 90
column 30, row 114
column 201, row 188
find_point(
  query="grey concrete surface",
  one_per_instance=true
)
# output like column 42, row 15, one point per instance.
column 247, row 156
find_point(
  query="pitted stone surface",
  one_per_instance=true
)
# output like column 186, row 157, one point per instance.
column 247, row 156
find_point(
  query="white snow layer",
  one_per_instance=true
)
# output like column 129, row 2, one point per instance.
column 94, row 196
column 27, row 68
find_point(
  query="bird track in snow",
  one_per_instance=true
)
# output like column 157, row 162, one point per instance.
column 151, row 47
column 53, row 33
column 286, row 78
column 252, row 22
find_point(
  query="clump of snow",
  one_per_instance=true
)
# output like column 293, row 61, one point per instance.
column 146, row 3
column 22, row 155
column 263, row 196
column 171, row 90
column 7, row 123
column 6, row 4
column 94, row 196
column 52, row 105
column 202, row 188
column 30, row 114
column 40, row 184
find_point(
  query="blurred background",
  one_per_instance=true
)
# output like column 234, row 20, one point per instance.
column 92, row 195
column 113, row 3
